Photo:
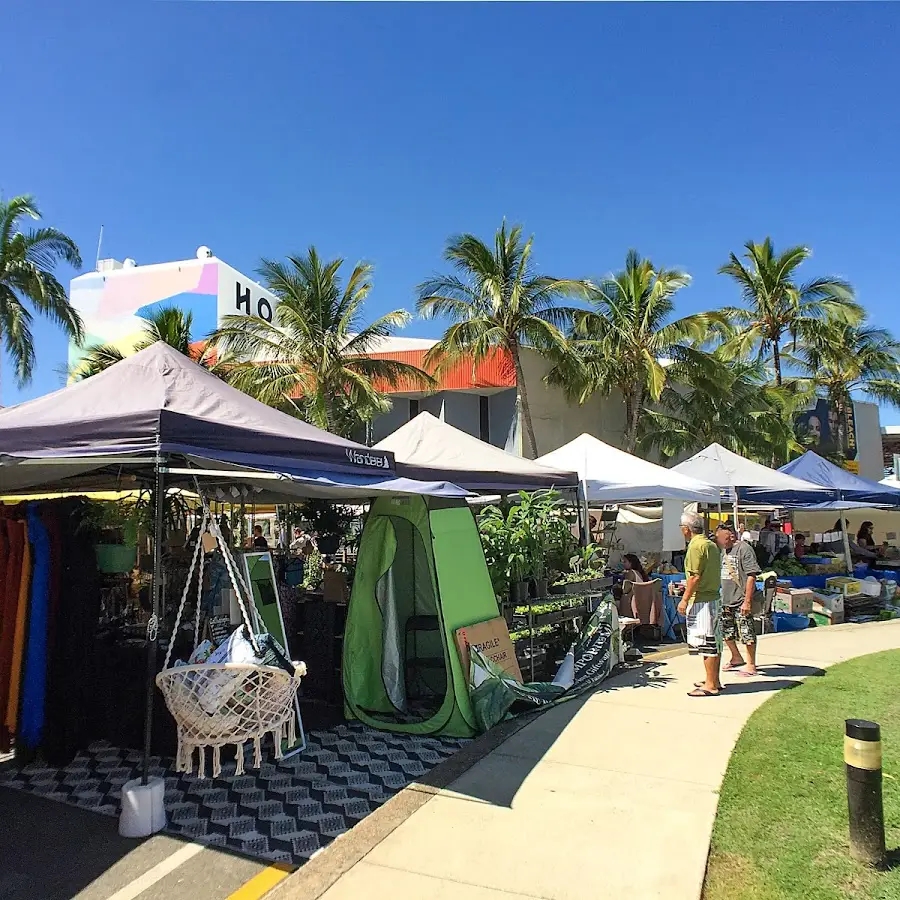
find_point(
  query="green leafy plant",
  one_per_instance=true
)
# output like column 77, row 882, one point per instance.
column 584, row 558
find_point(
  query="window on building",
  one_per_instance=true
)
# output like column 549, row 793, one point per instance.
column 484, row 419
column 413, row 408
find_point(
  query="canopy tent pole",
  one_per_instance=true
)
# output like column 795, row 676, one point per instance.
column 736, row 526
column 153, row 623
column 584, row 514
column 846, row 538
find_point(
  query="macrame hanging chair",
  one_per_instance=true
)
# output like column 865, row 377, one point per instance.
column 226, row 703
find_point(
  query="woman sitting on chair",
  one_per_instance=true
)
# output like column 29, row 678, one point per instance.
column 634, row 572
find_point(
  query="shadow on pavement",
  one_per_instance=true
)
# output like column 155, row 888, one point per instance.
column 648, row 675
column 787, row 670
column 53, row 851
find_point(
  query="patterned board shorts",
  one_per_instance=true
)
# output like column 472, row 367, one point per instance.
column 736, row 626
column 704, row 634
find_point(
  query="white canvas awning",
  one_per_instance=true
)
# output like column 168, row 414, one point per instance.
column 611, row 475
column 427, row 448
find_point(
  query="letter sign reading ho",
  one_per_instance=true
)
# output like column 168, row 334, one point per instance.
column 245, row 303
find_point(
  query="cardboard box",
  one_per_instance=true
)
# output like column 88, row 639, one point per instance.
column 798, row 601
column 821, row 619
column 828, row 603
column 334, row 586
column 844, row 585
column 492, row 639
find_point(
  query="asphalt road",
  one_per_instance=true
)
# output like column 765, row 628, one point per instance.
column 56, row 852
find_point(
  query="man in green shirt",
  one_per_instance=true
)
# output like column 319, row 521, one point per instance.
column 700, row 603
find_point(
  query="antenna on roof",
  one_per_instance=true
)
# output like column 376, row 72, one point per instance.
column 99, row 245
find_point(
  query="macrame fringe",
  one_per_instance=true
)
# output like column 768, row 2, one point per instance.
column 291, row 730
column 239, row 757
column 201, row 763
column 257, row 752
column 217, row 761
column 276, row 739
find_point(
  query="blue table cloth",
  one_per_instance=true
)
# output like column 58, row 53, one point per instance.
column 671, row 618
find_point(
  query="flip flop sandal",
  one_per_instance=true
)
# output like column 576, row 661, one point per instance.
column 699, row 684
column 744, row 674
column 729, row 666
column 702, row 692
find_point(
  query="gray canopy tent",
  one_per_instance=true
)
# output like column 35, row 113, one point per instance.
column 427, row 447
column 159, row 419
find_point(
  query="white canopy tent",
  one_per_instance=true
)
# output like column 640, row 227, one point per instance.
column 610, row 475
column 743, row 479
column 428, row 448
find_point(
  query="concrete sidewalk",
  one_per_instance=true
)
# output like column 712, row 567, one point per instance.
column 611, row 795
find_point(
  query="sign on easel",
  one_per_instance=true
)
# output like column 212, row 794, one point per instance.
column 260, row 575
column 220, row 628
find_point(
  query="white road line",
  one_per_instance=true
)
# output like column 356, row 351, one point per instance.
column 157, row 873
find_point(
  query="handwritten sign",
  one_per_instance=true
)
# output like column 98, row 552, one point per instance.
column 220, row 628
column 492, row 639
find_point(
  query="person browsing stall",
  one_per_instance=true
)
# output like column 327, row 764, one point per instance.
column 259, row 542
column 700, row 603
column 799, row 546
column 739, row 571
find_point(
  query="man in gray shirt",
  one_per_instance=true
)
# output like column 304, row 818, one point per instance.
column 739, row 571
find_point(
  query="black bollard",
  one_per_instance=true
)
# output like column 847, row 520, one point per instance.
column 862, row 760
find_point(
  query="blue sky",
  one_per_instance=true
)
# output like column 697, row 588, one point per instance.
column 376, row 131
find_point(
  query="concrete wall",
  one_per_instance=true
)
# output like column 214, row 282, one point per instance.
column 868, row 440
column 503, row 421
column 390, row 421
column 557, row 421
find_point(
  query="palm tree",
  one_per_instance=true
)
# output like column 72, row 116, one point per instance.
column 626, row 341
column 168, row 324
column 839, row 358
column 27, row 261
column 776, row 304
column 497, row 301
column 731, row 403
column 311, row 360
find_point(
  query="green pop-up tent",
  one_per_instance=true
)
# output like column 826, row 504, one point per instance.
column 420, row 575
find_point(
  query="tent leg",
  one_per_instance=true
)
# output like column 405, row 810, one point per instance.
column 847, row 555
column 736, row 526
column 153, row 624
column 584, row 514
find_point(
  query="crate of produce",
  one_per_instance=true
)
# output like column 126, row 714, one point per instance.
column 798, row 601
column 844, row 585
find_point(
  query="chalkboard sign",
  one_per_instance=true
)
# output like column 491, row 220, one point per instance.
column 219, row 628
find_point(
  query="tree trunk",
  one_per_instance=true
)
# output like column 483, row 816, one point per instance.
column 636, row 410
column 776, row 358
column 841, row 409
column 630, row 437
column 531, row 450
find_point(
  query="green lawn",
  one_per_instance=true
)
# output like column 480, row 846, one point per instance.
column 781, row 828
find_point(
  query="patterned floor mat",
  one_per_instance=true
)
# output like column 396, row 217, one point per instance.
column 282, row 812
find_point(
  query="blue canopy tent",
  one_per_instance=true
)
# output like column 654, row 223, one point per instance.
column 850, row 488
column 851, row 491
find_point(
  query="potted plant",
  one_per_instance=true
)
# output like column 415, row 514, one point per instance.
column 329, row 522
column 494, row 536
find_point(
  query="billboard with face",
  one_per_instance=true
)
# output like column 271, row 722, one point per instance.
column 820, row 429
